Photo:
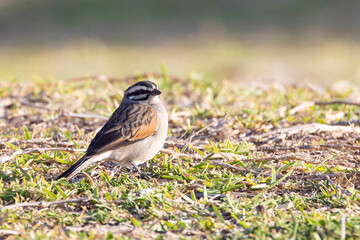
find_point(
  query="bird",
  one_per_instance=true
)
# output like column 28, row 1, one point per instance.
column 134, row 133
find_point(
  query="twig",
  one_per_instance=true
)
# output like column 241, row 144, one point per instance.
column 8, row 232
column 122, row 228
column 338, row 146
column 346, row 123
column 307, row 128
column 44, row 204
column 32, row 105
column 274, row 149
column 38, row 150
column 85, row 115
column 303, row 106
column 319, row 176
column 75, row 115
column 338, row 102
column 351, row 125
column 307, row 147
column 38, row 141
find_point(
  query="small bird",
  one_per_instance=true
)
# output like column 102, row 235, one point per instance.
column 134, row 133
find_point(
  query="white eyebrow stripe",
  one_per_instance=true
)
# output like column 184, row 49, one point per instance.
column 137, row 88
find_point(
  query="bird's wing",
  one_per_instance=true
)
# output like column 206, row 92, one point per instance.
column 129, row 123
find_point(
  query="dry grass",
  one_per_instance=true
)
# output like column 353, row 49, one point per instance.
column 257, row 161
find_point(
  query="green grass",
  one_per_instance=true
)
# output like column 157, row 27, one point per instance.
column 191, row 196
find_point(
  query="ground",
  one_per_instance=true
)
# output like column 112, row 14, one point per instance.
column 242, row 160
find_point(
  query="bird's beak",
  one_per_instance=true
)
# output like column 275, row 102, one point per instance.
column 155, row 92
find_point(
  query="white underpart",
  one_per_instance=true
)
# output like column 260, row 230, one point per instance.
column 94, row 159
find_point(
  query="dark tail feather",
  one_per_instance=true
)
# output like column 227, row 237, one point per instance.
column 78, row 166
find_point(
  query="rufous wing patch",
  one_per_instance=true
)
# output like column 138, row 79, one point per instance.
column 147, row 128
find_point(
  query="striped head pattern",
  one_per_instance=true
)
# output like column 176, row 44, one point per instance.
column 142, row 91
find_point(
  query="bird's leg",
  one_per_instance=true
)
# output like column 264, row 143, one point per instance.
column 142, row 174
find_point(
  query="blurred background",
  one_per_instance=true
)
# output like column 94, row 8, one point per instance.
column 236, row 40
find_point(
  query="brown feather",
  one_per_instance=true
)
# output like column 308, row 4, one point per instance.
column 148, row 129
column 137, row 122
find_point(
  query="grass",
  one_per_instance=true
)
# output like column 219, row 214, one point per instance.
column 199, row 191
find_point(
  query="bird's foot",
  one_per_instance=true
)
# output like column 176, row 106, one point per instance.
column 142, row 174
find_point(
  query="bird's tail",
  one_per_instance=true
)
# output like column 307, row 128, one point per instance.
column 74, row 169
